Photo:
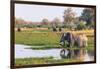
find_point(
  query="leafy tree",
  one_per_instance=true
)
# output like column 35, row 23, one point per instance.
column 45, row 21
column 56, row 22
column 81, row 25
column 19, row 23
column 69, row 17
column 88, row 16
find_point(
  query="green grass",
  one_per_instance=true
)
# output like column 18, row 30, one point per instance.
column 45, row 60
column 42, row 40
column 37, row 30
column 50, row 47
column 37, row 39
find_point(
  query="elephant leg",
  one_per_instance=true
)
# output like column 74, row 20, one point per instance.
column 72, row 42
column 84, row 43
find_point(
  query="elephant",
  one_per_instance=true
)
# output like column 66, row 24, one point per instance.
column 70, row 40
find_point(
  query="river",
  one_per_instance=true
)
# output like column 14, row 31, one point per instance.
column 24, row 51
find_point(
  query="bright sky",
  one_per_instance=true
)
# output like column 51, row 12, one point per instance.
column 36, row 13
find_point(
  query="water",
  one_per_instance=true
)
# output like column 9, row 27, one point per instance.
column 24, row 51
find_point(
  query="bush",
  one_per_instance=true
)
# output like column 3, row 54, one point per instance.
column 60, row 29
column 19, row 29
column 54, row 29
column 81, row 26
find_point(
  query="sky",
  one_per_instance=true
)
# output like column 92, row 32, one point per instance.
column 36, row 13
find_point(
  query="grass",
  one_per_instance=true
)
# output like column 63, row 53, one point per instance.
column 46, row 60
column 46, row 40
column 50, row 47
column 42, row 40
column 37, row 39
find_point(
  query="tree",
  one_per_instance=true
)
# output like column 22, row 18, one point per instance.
column 88, row 16
column 81, row 25
column 45, row 21
column 69, row 17
column 56, row 22
column 19, row 23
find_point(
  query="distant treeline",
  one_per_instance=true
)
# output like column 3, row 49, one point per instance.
column 70, row 21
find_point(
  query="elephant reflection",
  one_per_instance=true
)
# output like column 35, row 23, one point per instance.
column 73, row 54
